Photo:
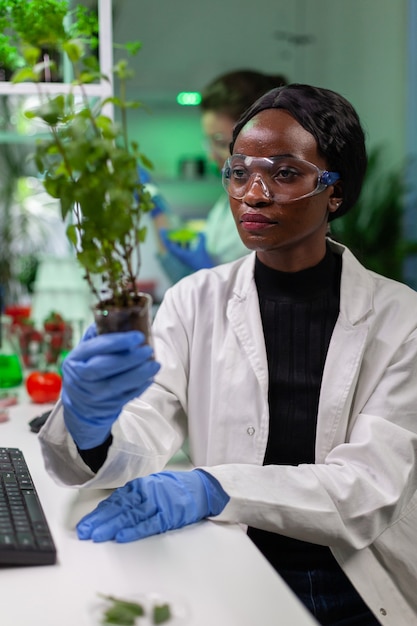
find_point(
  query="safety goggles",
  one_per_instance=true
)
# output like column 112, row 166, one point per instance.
column 218, row 144
column 281, row 178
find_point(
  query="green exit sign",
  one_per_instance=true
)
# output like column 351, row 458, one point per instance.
column 189, row 98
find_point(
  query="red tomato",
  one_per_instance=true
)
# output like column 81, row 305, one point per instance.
column 44, row 386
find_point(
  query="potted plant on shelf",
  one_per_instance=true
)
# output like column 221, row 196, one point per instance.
column 87, row 160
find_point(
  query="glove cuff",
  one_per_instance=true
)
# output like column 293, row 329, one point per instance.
column 217, row 498
column 203, row 491
column 85, row 433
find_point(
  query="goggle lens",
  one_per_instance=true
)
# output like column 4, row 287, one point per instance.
column 282, row 179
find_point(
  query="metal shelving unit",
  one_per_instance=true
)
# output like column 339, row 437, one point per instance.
column 16, row 95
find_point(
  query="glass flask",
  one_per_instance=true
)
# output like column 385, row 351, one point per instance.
column 11, row 373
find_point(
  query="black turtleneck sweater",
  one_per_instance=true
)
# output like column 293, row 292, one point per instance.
column 299, row 311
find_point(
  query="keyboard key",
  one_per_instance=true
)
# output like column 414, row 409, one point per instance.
column 33, row 505
column 25, row 540
column 7, row 540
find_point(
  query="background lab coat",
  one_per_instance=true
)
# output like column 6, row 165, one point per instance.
column 222, row 238
column 359, row 497
column 222, row 242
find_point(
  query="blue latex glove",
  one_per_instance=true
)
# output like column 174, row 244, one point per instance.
column 144, row 175
column 154, row 504
column 160, row 206
column 196, row 257
column 99, row 377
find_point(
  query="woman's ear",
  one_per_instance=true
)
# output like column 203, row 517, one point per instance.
column 336, row 198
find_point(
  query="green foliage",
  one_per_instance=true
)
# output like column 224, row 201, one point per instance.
column 125, row 613
column 9, row 56
column 36, row 23
column 27, row 26
column 88, row 161
column 17, row 237
column 373, row 228
column 122, row 612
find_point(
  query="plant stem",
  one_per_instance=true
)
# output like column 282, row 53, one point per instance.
column 122, row 87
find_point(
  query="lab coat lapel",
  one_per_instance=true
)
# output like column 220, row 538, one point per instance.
column 338, row 386
column 344, row 356
column 245, row 319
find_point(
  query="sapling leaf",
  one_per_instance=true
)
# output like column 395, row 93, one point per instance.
column 30, row 53
column 133, row 47
column 25, row 74
column 105, row 124
column 141, row 234
column 145, row 161
column 113, row 100
column 87, row 77
column 66, row 206
column 72, row 234
column 74, row 49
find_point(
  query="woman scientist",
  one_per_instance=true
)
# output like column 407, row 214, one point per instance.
column 292, row 372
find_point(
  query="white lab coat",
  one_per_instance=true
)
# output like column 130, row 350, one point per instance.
column 360, row 495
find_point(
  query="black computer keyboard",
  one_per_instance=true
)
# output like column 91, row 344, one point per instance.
column 25, row 538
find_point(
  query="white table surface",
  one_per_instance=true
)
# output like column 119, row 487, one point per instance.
column 211, row 571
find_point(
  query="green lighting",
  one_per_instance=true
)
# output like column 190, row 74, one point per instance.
column 189, row 98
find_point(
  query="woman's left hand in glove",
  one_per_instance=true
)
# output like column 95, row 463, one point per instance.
column 154, row 504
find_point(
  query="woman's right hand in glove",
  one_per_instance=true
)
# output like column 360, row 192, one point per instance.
column 99, row 377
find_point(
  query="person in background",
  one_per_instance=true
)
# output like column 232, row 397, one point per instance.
column 290, row 372
column 222, row 102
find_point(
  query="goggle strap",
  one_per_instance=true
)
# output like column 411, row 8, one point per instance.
column 329, row 178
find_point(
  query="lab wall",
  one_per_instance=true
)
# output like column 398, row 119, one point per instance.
column 356, row 47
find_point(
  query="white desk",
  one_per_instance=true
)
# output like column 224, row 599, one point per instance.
column 211, row 570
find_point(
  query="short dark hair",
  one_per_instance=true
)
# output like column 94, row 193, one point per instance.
column 332, row 121
column 232, row 93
